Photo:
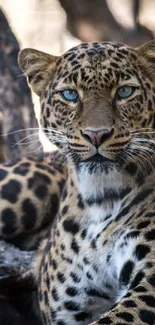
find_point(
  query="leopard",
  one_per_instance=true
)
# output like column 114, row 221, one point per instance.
column 97, row 264
column 30, row 190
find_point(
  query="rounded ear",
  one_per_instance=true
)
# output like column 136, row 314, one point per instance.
column 147, row 51
column 39, row 67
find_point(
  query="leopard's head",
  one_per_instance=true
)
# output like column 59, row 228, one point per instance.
column 97, row 101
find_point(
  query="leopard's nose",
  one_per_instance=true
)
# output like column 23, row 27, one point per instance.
column 97, row 137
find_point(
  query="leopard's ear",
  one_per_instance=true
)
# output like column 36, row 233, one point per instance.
column 147, row 51
column 39, row 67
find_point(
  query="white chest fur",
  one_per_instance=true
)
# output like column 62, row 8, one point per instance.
column 94, row 188
column 93, row 185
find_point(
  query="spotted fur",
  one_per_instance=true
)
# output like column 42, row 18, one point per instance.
column 98, row 263
column 30, row 190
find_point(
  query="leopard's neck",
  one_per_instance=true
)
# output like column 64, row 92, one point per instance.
column 100, row 185
column 101, row 194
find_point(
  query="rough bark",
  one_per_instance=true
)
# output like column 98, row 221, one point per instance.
column 15, row 262
column 17, row 286
column 15, row 98
column 3, row 157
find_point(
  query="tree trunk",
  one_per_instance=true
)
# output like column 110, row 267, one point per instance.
column 17, row 287
column 16, row 105
column 92, row 21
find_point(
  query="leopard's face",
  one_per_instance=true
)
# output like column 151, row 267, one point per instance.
column 98, row 102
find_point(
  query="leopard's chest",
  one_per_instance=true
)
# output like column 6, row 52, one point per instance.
column 97, row 259
column 87, row 256
column 95, row 278
column 90, row 243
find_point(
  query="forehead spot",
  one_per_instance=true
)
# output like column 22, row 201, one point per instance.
column 98, row 63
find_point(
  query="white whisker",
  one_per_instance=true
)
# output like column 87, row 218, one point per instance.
column 35, row 150
column 138, row 161
column 143, row 140
column 17, row 131
column 139, row 147
column 49, row 129
column 30, row 135
column 31, row 145
column 28, row 142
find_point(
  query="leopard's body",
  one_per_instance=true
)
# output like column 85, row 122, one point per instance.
column 98, row 262
column 30, row 190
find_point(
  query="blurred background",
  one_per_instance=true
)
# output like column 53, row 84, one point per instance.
column 54, row 26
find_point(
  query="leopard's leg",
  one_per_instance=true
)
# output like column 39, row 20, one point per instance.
column 135, row 269
column 137, row 306
column 30, row 190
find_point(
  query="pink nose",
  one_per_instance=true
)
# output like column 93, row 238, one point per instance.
column 97, row 137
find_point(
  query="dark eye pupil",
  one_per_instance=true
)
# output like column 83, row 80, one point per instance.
column 70, row 92
column 125, row 89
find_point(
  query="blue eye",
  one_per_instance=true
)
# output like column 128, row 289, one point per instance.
column 125, row 91
column 70, row 95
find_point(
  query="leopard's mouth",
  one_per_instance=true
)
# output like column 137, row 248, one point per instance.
column 97, row 158
column 97, row 163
